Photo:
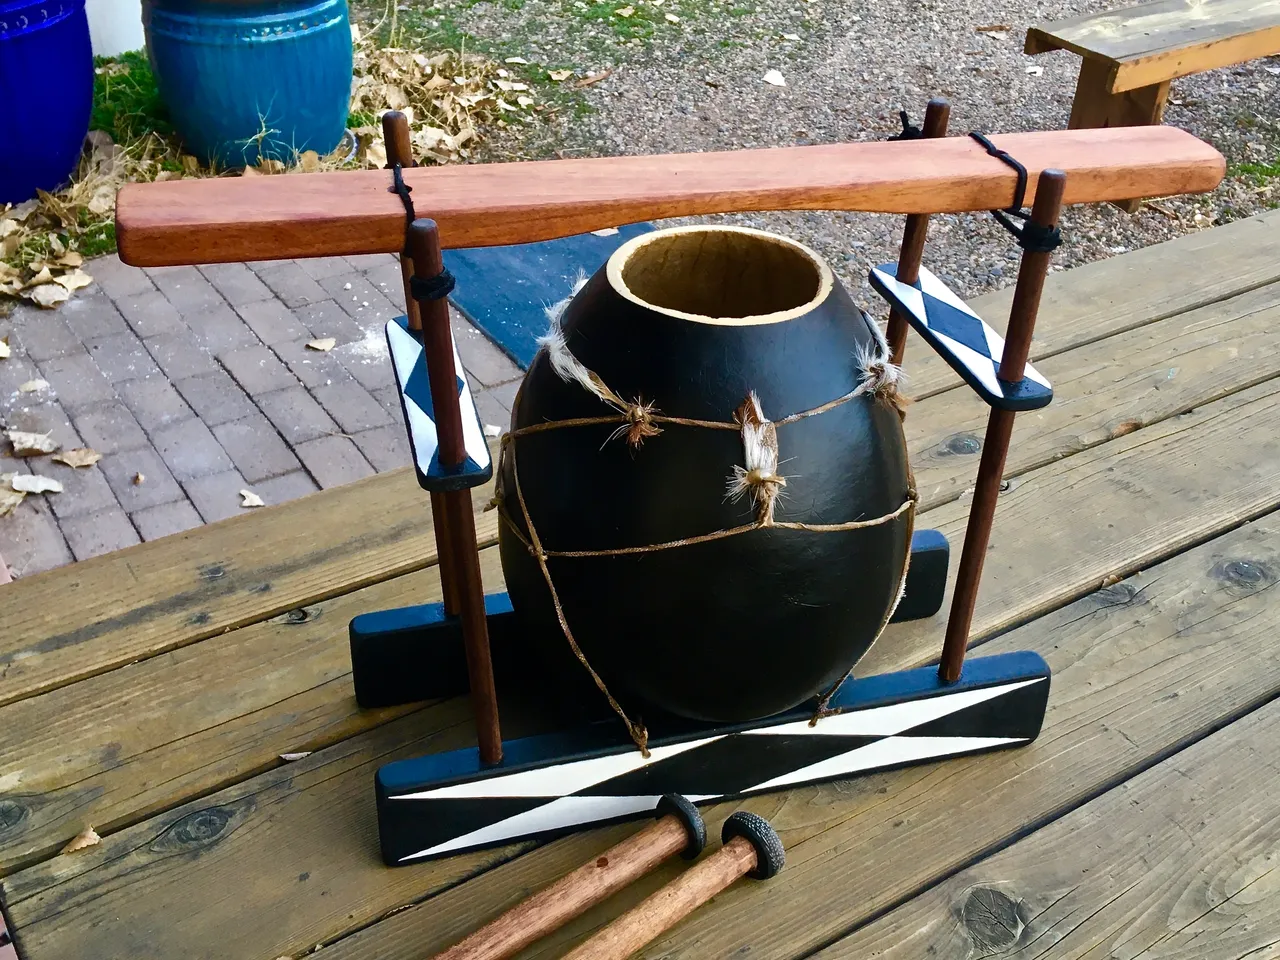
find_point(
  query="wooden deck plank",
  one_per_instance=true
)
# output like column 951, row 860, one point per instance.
column 279, row 841
column 167, row 593
column 1121, row 293
column 222, row 710
column 116, row 748
column 1117, row 658
column 89, row 617
column 1113, row 879
column 1152, row 42
column 353, row 212
column 1120, row 696
column 1105, row 389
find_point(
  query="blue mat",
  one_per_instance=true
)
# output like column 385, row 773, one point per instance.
column 503, row 290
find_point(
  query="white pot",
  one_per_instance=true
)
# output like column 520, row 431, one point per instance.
column 115, row 26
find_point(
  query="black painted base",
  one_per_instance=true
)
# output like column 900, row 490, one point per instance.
column 415, row 653
column 553, row 784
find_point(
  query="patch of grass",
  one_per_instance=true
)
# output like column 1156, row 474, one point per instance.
column 126, row 102
column 1261, row 171
column 360, row 118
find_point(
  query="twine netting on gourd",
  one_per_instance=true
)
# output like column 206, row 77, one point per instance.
column 756, row 478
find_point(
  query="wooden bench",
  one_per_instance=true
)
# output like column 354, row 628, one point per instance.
column 1132, row 54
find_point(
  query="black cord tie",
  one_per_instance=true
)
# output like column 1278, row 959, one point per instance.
column 432, row 288
column 909, row 132
column 402, row 189
column 1031, row 236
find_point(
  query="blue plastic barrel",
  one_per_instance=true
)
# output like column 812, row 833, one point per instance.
column 46, row 93
column 252, row 80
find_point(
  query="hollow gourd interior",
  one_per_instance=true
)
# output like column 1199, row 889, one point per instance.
column 720, row 274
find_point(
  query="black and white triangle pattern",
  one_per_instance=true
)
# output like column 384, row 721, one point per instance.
column 409, row 360
column 962, row 338
column 562, row 796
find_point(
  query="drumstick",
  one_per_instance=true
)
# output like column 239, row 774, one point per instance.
column 679, row 830
column 751, row 848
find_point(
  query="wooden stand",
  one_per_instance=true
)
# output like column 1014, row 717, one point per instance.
column 592, row 773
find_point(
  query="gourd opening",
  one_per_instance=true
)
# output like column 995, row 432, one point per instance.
column 720, row 275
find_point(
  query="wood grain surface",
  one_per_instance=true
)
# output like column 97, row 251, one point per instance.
column 1109, row 879
column 352, row 212
column 319, row 819
column 83, row 619
column 237, row 700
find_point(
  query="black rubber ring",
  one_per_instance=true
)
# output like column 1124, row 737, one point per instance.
column 684, row 811
column 770, row 856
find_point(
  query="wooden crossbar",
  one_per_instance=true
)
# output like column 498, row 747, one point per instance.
column 353, row 212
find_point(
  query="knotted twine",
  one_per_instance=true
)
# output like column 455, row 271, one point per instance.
column 757, row 477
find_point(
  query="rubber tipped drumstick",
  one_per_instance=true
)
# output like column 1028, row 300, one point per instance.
column 751, row 848
column 936, row 116
column 679, row 829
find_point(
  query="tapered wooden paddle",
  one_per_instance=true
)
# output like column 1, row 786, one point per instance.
column 353, row 212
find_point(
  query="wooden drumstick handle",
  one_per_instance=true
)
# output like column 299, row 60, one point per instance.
column 751, row 848
column 679, row 830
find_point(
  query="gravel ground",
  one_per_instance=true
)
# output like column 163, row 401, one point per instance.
column 696, row 85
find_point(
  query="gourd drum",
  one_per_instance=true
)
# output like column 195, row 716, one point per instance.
column 689, row 323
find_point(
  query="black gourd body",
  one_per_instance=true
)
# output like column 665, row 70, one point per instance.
column 731, row 629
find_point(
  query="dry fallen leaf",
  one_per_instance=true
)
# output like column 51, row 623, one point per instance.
column 47, row 295
column 9, row 498
column 324, row 344
column 774, row 78
column 33, row 483
column 594, row 78
column 79, row 457
column 290, row 757
column 86, row 838
column 993, row 28
column 31, row 386
column 559, row 75
column 250, row 499
column 139, row 479
column 31, row 444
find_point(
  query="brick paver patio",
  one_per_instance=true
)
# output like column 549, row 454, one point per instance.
column 199, row 379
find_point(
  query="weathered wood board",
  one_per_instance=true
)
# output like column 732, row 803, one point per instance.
column 238, row 700
column 1117, row 656
column 1029, row 575
column 1111, row 878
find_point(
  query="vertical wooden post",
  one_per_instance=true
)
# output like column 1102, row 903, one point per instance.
column 395, row 133
column 437, row 343
column 936, row 115
column 1017, row 346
